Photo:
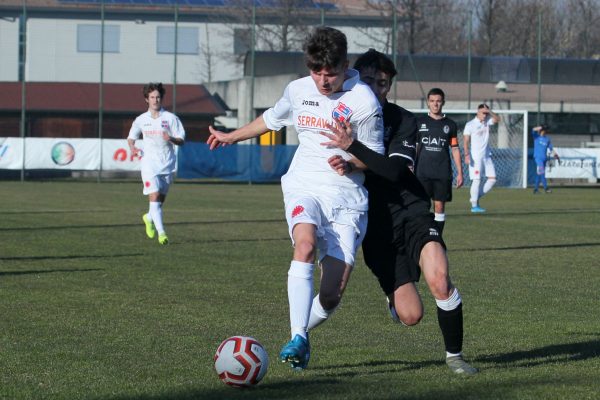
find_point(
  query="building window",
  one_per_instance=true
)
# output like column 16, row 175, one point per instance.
column 88, row 38
column 241, row 41
column 187, row 40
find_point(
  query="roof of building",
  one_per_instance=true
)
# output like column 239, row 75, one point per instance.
column 117, row 98
column 336, row 12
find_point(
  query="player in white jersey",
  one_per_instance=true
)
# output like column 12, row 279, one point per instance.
column 326, row 211
column 161, row 130
column 479, row 157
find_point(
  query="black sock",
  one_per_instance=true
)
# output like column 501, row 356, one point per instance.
column 440, row 226
column 451, row 324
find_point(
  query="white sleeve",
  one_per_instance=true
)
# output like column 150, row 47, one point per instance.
column 135, row 131
column 177, row 129
column 467, row 130
column 280, row 114
column 369, row 131
column 490, row 122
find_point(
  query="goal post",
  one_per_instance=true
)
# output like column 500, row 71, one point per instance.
column 508, row 142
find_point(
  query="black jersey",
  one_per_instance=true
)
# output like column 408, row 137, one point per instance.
column 434, row 140
column 400, row 135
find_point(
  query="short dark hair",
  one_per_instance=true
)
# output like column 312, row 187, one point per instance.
column 437, row 92
column 375, row 59
column 325, row 47
column 151, row 87
column 482, row 105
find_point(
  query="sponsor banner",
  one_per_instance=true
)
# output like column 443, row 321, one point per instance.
column 116, row 155
column 11, row 153
column 62, row 153
column 574, row 164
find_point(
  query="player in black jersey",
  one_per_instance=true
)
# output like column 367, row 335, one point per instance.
column 402, row 238
column 437, row 135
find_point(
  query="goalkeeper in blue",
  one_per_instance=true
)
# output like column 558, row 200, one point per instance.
column 542, row 146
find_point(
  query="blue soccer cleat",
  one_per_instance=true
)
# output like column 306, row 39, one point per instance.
column 477, row 209
column 296, row 352
column 393, row 312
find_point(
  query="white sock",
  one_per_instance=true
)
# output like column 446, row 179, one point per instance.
column 489, row 184
column 318, row 314
column 300, row 292
column 475, row 192
column 448, row 355
column 440, row 217
column 156, row 215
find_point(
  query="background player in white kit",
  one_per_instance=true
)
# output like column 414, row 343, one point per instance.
column 160, row 130
column 479, row 159
column 325, row 211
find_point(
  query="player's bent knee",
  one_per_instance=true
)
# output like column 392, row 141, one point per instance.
column 330, row 301
column 411, row 318
column 304, row 250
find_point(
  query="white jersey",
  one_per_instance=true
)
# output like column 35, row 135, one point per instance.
column 308, row 110
column 159, row 154
column 480, row 135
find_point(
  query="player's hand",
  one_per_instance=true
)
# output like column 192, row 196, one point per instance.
column 339, row 165
column 166, row 136
column 136, row 152
column 340, row 136
column 218, row 138
column 459, row 181
column 467, row 159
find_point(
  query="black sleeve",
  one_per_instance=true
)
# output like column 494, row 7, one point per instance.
column 394, row 168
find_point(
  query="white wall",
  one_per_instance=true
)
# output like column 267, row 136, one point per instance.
column 9, row 50
column 52, row 55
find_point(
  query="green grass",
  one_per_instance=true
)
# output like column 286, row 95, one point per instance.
column 92, row 309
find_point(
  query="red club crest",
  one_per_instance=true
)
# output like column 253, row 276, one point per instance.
column 297, row 211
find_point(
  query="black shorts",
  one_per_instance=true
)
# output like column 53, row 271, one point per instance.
column 393, row 243
column 438, row 189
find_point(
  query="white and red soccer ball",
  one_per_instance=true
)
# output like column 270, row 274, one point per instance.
column 241, row 361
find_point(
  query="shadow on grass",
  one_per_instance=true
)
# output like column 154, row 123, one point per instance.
column 558, row 353
column 47, row 271
column 500, row 213
column 288, row 389
column 104, row 226
column 39, row 258
column 544, row 246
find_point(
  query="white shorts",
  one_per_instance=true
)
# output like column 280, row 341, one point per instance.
column 340, row 230
column 156, row 183
column 478, row 167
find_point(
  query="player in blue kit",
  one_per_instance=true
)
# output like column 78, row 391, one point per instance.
column 542, row 145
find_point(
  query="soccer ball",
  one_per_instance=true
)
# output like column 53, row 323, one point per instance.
column 241, row 361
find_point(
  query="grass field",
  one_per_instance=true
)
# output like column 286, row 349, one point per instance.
column 91, row 309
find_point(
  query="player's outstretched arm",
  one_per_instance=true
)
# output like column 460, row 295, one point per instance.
column 248, row 131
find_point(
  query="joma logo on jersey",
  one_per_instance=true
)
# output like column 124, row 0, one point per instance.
column 341, row 112
column 434, row 141
column 423, row 128
column 310, row 103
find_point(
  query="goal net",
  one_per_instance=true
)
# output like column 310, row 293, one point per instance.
column 508, row 141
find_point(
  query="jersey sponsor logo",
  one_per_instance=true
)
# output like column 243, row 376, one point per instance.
column 297, row 211
column 311, row 121
column 433, row 141
column 446, row 129
column 341, row 112
column 310, row 103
